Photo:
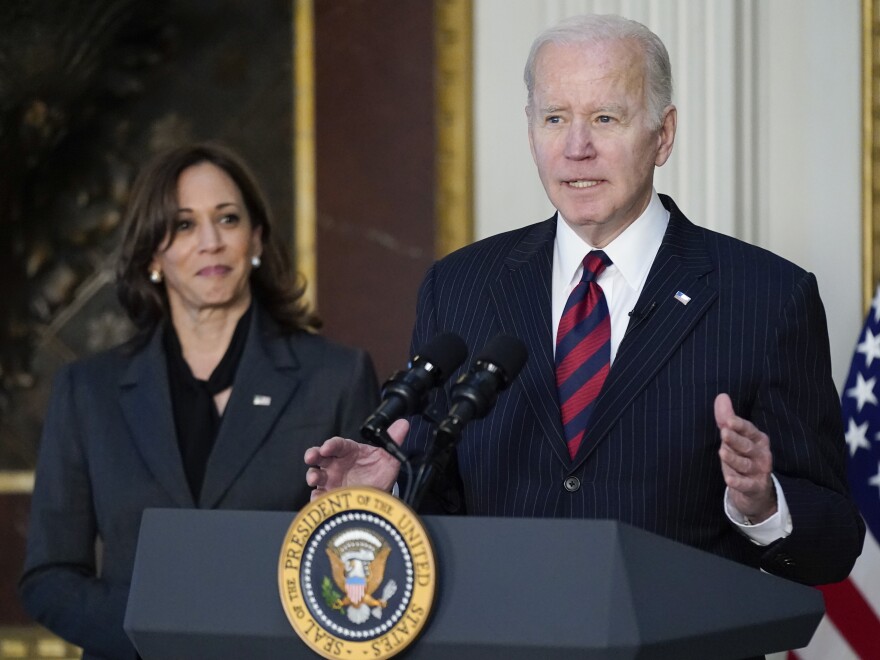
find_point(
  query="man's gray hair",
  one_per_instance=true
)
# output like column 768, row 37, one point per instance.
column 596, row 28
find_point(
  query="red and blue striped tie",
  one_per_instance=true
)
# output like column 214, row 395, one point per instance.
column 583, row 350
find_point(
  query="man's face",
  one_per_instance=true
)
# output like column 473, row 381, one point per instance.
column 592, row 138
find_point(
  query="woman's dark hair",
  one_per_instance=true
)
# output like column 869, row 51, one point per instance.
column 149, row 218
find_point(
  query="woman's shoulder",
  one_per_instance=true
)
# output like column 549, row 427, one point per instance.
column 307, row 346
column 330, row 365
column 315, row 348
column 107, row 365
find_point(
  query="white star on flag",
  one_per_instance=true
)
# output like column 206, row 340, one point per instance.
column 870, row 347
column 863, row 392
column 856, row 437
column 875, row 480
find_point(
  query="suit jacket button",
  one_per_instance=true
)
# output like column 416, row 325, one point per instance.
column 572, row 484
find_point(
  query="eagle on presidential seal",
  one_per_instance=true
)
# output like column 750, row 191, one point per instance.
column 357, row 558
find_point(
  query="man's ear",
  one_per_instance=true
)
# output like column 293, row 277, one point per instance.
column 666, row 135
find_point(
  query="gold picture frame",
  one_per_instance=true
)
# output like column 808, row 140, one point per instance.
column 453, row 116
column 304, row 148
column 870, row 149
column 453, row 73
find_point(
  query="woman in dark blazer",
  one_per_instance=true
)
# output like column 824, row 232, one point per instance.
column 211, row 405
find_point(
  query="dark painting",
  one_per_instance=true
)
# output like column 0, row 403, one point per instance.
column 90, row 89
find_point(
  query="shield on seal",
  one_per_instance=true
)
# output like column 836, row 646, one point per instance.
column 354, row 587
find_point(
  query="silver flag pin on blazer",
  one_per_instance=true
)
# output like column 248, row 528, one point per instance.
column 262, row 400
column 682, row 297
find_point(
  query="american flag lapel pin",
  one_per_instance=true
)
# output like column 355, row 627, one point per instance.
column 262, row 400
column 682, row 297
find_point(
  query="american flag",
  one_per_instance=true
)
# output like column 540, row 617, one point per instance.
column 851, row 626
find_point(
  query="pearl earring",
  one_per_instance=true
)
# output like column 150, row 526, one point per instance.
column 256, row 261
column 155, row 276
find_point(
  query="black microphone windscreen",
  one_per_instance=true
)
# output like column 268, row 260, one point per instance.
column 445, row 352
column 506, row 352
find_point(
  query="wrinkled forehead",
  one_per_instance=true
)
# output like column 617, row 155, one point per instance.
column 615, row 66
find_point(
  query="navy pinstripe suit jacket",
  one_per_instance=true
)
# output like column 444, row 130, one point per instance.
column 754, row 328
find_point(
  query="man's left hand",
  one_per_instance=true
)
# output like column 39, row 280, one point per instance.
column 746, row 462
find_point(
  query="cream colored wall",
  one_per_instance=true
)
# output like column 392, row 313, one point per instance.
column 769, row 128
column 810, row 154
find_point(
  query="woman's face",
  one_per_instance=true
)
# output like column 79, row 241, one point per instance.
column 206, row 260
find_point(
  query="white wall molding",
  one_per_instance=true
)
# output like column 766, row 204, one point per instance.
column 769, row 127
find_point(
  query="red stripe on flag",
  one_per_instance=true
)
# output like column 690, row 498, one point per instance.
column 791, row 656
column 853, row 617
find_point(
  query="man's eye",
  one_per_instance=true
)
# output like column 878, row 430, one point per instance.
column 554, row 119
column 605, row 119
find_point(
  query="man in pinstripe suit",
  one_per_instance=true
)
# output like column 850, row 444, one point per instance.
column 718, row 424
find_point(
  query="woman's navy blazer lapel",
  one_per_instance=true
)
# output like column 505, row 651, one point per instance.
column 265, row 381
column 146, row 406
column 267, row 378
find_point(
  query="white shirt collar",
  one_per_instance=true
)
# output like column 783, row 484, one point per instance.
column 632, row 252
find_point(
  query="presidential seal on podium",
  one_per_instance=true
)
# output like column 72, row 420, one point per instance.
column 357, row 574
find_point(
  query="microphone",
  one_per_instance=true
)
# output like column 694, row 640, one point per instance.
column 474, row 394
column 405, row 392
column 639, row 314
column 636, row 316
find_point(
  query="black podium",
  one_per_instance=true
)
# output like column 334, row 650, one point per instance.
column 205, row 586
